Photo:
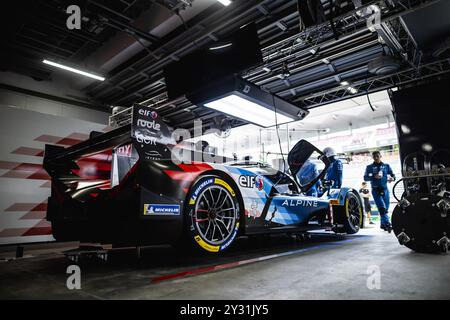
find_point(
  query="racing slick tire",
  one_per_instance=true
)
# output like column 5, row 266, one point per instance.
column 212, row 215
column 353, row 210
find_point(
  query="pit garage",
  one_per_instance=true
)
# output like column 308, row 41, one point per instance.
column 217, row 149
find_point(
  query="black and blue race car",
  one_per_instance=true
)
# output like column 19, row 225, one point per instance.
column 136, row 186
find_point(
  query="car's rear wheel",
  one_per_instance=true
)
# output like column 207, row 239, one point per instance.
column 212, row 215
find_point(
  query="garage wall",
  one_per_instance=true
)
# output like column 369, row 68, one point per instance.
column 32, row 103
column 27, row 123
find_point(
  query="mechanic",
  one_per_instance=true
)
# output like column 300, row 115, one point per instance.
column 308, row 173
column 365, row 194
column 379, row 174
column 335, row 170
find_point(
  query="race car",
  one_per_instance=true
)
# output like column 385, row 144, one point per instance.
column 135, row 185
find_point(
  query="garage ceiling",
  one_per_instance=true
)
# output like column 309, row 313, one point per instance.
column 131, row 41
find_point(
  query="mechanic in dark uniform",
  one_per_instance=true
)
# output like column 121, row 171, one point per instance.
column 335, row 170
column 379, row 174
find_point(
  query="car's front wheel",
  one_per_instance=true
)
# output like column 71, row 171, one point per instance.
column 353, row 211
column 212, row 215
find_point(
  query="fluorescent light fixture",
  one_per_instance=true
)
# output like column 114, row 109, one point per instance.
column 345, row 83
column 221, row 47
column 225, row 2
column 247, row 110
column 84, row 73
column 352, row 90
column 244, row 100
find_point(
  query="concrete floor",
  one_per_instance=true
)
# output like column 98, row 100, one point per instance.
column 324, row 267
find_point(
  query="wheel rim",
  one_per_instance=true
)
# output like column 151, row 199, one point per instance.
column 354, row 210
column 215, row 215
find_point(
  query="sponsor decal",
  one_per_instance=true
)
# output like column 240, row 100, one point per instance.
column 200, row 188
column 334, row 191
column 161, row 209
column 148, row 113
column 227, row 244
column 253, row 212
column 247, row 181
column 299, row 203
column 152, row 125
column 124, row 151
column 142, row 138
column 226, row 185
column 152, row 155
column 259, row 183
column 206, row 246
column 334, row 202
column 147, row 131
column 251, row 182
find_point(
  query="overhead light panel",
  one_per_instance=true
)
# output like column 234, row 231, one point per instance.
column 84, row 73
column 225, row 2
column 241, row 99
column 247, row 110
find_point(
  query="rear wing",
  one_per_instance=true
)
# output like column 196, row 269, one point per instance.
column 146, row 131
column 56, row 155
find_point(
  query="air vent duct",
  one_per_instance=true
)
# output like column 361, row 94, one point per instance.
column 383, row 65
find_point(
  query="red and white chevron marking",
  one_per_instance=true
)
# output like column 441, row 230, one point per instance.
column 24, row 184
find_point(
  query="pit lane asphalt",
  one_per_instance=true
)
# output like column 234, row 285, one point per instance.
column 327, row 266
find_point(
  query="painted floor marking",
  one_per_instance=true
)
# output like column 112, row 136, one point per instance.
column 233, row 264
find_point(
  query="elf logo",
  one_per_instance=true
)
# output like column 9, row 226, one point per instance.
column 148, row 113
column 251, row 182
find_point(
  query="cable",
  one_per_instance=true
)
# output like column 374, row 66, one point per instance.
column 177, row 12
column 279, row 141
column 368, row 98
column 278, row 133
